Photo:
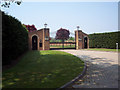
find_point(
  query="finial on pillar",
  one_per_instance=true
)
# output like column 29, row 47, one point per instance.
column 45, row 25
column 78, row 27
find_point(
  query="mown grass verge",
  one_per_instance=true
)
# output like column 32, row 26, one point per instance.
column 43, row 69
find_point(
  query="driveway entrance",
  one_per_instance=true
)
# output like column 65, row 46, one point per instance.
column 102, row 71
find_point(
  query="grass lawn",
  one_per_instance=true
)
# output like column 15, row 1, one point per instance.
column 101, row 49
column 43, row 69
column 60, row 46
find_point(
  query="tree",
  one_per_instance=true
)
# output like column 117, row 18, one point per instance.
column 30, row 28
column 14, row 39
column 7, row 4
column 72, row 38
column 62, row 34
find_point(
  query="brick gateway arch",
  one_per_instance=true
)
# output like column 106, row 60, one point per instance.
column 81, row 39
column 39, row 40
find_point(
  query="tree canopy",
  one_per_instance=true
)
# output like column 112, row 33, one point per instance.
column 7, row 4
column 72, row 38
column 62, row 34
column 14, row 39
column 31, row 28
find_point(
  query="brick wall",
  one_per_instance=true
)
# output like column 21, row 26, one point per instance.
column 43, row 38
column 41, row 35
column 79, row 38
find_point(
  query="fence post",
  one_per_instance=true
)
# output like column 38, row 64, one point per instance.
column 117, row 47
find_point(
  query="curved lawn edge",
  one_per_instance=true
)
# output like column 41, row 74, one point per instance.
column 42, row 73
column 80, row 76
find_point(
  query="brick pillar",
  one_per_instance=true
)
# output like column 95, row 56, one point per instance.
column 46, row 42
column 43, row 39
column 79, row 39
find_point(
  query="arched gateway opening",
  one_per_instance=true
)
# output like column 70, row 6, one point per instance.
column 34, row 43
column 39, row 40
column 85, row 42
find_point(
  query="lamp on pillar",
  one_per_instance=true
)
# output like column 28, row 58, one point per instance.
column 46, row 37
column 45, row 25
column 78, row 27
column 45, row 28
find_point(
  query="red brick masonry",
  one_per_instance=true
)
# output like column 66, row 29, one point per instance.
column 43, row 43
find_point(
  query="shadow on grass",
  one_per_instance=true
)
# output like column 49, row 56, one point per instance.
column 43, row 69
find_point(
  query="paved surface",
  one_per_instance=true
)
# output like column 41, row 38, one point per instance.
column 102, row 71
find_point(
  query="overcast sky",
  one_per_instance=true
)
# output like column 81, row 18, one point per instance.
column 92, row 17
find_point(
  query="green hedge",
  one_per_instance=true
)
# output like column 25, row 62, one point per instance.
column 104, row 40
column 14, row 38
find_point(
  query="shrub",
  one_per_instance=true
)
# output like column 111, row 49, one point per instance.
column 14, row 38
column 104, row 40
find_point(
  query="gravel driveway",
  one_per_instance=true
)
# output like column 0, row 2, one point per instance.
column 102, row 71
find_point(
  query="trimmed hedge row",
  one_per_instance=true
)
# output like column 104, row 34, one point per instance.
column 104, row 40
column 14, row 38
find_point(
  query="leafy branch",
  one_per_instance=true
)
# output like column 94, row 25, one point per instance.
column 7, row 4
